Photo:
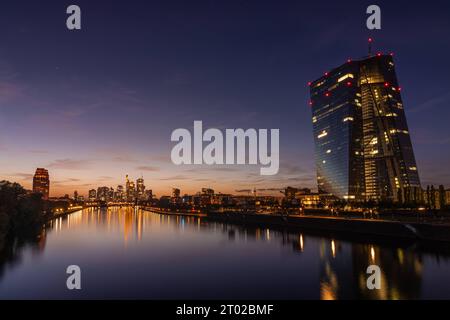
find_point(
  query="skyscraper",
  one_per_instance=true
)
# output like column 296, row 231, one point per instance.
column 140, row 188
column 120, row 195
column 41, row 183
column 92, row 195
column 103, row 193
column 362, row 144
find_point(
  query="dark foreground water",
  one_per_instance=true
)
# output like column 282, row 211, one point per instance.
column 127, row 253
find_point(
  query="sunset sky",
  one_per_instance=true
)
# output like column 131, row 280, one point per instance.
column 94, row 105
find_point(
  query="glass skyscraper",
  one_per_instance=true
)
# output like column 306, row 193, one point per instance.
column 362, row 145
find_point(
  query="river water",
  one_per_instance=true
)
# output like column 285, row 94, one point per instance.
column 132, row 254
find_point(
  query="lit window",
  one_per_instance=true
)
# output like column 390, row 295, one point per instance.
column 349, row 75
column 348, row 119
column 323, row 134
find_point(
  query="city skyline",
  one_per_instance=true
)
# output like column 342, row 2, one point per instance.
column 253, row 154
column 98, row 107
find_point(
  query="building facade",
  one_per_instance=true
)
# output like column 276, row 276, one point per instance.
column 363, row 148
column 92, row 195
column 41, row 183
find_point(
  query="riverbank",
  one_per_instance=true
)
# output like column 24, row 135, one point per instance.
column 174, row 213
column 65, row 213
column 357, row 226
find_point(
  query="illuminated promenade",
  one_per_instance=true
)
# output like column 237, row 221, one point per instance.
column 340, row 224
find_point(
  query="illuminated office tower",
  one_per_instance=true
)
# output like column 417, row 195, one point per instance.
column 140, row 188
column 362, row 144
column 176, row 193
column 41, row 183
column 103, row 193
column 120, row 194
column 131, row 191
column 92, row 195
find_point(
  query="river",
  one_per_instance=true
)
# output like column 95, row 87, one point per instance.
column 126, row 253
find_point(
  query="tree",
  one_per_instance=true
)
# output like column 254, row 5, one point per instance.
column 20, row 213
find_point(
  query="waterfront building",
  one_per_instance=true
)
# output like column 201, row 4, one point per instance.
column 176, row 196
column 148, row 195
column 140, row 189
column 103, row 193
column 176, row 193
column 92, row 195
column 131, row 191
column 41, row 183
column 120, row 193
column 363, row 148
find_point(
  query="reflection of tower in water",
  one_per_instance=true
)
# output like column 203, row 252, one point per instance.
column 344, row 265
column 401, row 272
column 128, row 224
column 336, row 272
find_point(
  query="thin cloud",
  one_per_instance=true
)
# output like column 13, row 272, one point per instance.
column 24, row 176
column 65, row 181
column 432, row 103
column 69, row 164
column 105, row 178
column 178, row 177
column 148, row 168
column 161, row 158
column 124, row 158
column 39, row 151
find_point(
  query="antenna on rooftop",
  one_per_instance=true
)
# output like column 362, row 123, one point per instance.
column 369, row 42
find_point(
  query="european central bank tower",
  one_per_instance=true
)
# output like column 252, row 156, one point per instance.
column 362, row 143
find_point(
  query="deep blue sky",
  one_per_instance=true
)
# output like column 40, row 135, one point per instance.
column 95, row 104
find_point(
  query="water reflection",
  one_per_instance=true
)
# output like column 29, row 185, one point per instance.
column 331, row 267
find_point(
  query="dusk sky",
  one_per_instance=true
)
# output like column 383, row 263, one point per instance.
column 94, row 105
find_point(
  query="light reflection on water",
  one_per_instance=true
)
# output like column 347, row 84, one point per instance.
column 129, row 253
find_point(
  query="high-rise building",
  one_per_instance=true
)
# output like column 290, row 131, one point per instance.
column 148, row 195
column 111, row 194
column 127, row 187
column 362, row 144
column 140, row 188
column 120, row 195
column 41, row 183
column 176, row 193
column 92, row 195
column 103, row 193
